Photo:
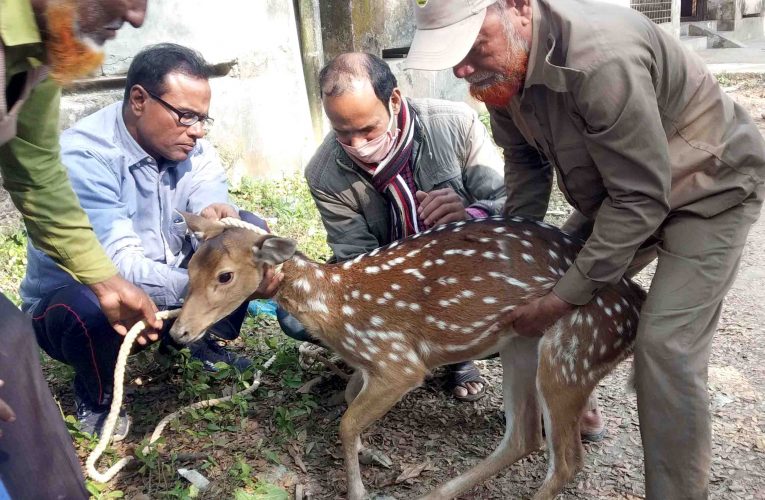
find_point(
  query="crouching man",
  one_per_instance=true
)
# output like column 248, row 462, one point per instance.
column 132, row 165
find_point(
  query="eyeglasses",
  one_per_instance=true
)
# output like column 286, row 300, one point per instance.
column 185, row 118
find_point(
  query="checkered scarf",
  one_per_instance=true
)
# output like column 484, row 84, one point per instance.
column 394, row 179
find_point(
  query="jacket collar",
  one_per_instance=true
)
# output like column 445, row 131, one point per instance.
column 134, row 153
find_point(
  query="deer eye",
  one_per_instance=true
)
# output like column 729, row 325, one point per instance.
column 224, row 278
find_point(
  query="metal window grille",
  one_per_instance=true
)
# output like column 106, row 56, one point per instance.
column 658, row 11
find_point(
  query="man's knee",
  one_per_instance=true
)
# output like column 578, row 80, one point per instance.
column 256, row 220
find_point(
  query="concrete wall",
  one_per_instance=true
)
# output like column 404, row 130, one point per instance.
column 262, row 124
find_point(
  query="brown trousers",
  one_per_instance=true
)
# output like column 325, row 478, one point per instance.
column 697, row 263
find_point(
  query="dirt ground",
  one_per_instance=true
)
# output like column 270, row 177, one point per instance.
column 430, row 438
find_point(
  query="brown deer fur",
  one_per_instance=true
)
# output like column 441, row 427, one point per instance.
column 432, row 299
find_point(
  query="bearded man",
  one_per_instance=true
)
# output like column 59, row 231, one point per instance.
column 654, row 156
column 46, row 43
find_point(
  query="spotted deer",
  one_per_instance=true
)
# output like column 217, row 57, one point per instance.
column 434, row 298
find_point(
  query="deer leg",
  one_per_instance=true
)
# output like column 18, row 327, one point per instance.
column 522, row 432
column 376, row 397
column 562, row 399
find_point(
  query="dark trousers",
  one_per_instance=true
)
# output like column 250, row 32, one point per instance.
column 37, row 459
column 71, row 328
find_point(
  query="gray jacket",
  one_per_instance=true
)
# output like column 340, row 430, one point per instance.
column 453, row 150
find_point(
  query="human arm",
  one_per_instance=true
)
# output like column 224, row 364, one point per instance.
column 527, row 175
column 37, row 182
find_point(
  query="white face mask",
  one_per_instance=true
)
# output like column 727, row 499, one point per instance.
column 377, row 149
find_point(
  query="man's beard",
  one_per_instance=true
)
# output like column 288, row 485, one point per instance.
column 70, row 54
column 496, row 89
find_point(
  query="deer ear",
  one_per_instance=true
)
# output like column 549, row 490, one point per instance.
column 203, row 229
column 275, row 250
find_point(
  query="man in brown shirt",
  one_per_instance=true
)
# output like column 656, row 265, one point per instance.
column 651, row 153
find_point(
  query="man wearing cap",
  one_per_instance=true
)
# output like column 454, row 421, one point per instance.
column 651, row 153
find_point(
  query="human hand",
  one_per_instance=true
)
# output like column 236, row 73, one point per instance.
column 6, row 412
column 218, row 211
column 534, row 318
column 124, row 304
column 440, row 206
column 268, row 285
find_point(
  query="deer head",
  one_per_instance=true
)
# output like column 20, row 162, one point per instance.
column 224, row 272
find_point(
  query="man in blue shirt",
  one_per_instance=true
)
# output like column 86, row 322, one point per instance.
column 133, row 164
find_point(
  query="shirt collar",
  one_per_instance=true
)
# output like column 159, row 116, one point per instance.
column 18, row 25
column 541, row 39
column 134, row 153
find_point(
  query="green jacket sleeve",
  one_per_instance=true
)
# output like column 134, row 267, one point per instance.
column 528, row 175
column 39, row 187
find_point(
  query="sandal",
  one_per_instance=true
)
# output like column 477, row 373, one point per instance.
column 462, row 373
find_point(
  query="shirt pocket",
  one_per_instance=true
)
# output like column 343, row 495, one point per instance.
column 579, row 179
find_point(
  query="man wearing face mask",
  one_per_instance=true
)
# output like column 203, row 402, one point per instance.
column 46, row 44
column 395, row 166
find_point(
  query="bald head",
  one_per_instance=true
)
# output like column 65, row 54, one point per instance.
column 359, row 94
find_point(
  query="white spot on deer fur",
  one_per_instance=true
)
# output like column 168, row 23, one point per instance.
column 346, row 297
column 617, row 308
column 624, row 301
column 489, row 300
column 576, row 319
column 567, row 241
column 617, row 343
column 385, row 267
column 366, row 297
column 424, row 348
column 599, row 301
column 608, row 311
column 365, row 355
column 414, row 307
column 372, row 270
column 591, row 349
column 396, row 261
column 457, row 230
column 374, row 252
column 415, row 272
column 499, row 229
column 400, row 304
column 441, row 325
column 347, row 310
column 373, row 349
column 540, row 279
column 376, row 321
column 394, row 357
column 302, row 284
column 476, row 278
column 426, row 290
column 488, row 255
column 355, row 294
column 573, row 376
column 527, row 257
column 427, row 264
column 602, row 349
column 396, row 346
column 478, row 324
column 590, row 320
column 619, row 329
column 446, row 281
column 430, row 319
column 395, row 286
column 440, row 262
column 567, row 261
column 319, row 273
column 408, row 371
column 393, row 245
column 300, row 262
column 412, row 356
column 527, row 232
column 526, row 243
column 413, row 253
column 458, row 251
column 348, row 345
column 444, row 303
column 335, row 278
column 552, row 254
column 388, row 295
column 358, row 259
column 507, row 308
column 467, row 293
column 484, row 240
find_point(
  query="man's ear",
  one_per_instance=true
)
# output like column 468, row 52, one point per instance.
column 202, row 228
column 395, row 101
column 137, row 99
column 274, row 250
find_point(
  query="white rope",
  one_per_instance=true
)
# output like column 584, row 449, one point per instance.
column 119, row 379
column 233, row 222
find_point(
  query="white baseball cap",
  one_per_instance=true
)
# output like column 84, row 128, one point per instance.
column 446, row 31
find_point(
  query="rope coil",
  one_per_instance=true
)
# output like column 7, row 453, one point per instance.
column 119, row 379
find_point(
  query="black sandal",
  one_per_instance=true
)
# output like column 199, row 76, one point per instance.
column 460, row 374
